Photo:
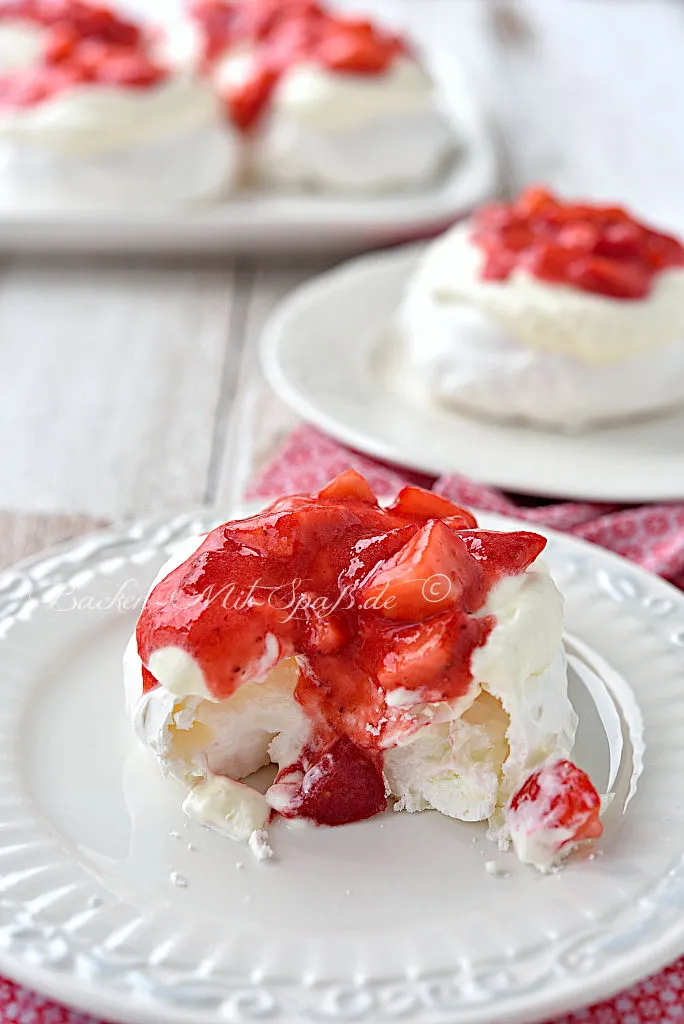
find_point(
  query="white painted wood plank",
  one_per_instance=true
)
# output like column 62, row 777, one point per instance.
column 587, row 100
column 111, row 376
column 595, row 103
column 115, row 395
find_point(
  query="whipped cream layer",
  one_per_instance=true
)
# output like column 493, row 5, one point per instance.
column 21, row 44
column 467, row 361
column 464, row 758
column 167, row 143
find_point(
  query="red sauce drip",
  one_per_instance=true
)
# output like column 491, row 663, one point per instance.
column 283, row 33
column 342, row 785
column 367, row 599
column 83, row 44
column 599, row 249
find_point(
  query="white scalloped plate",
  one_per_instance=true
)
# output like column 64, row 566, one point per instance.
column 391, row 920
column 328, row 352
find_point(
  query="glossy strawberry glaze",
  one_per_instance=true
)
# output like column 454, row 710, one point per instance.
column 367, row 599
column 593, row 248
column 282, row 33
column 83, row 45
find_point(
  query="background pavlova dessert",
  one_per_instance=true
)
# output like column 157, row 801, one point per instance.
column 373, row 655
column 92, row 113
column 326, row 102
column 558, row 314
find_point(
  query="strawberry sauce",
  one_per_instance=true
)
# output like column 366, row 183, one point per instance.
column 367, row 599
column 600, row 249
column 83, row 44
column 282, row 33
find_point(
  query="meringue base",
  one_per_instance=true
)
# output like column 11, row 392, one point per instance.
column 372, row 157
column 197, row 165
column 465, row 758
column 466, row 362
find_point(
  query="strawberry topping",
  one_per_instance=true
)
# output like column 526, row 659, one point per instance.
column 366, row 599
column 83, row 44
column 282, row 33
column 559, row 798
column 600, row 249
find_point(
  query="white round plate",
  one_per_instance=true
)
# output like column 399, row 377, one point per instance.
column 327, row 351
column 114, row 902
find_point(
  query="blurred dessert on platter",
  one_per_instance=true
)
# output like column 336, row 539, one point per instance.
column 88, row 112
column 325, row 101
column 557, row 314
column 379, row 656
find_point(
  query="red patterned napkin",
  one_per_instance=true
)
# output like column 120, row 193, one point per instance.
column 651, row 535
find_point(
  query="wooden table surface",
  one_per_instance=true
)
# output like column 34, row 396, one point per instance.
column 120, row 376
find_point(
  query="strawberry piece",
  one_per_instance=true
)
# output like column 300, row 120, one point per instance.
column 349, row 484
column 547, row 261
column 430, row 574
column 345, row 784
column 517, row 237
column 582, row 237
column 60, row 43
column 327, row 632
column 610, row 277
column 559, row 795
column 130, row 69
column 415, row 502
column 504, row 554
column 498, row 266
column 352, row 53
column 247, row 103
column 621, row 241
column 662, row 251
column 102, row 23
column 431, row 656
column 534, row 200
column 149, row 681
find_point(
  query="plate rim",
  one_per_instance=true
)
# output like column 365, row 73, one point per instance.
column 281, row 325
column 108, row 1003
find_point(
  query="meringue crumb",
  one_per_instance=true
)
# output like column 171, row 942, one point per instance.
column 259, row 845
column 174, row 835
column 94, row 902
column 239, row 865
column 191, row 847
column 492, row 868
column 347, row 892
column 179, row 880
